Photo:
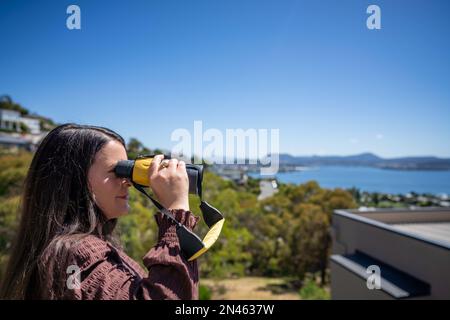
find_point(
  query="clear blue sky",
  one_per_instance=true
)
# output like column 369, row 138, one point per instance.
column 313, row 70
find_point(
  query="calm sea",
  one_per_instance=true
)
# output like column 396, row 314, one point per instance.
column 372, row 179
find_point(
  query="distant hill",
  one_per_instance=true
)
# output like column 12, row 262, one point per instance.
column 370, row 160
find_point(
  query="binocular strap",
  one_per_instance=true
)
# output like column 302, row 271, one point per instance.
column 191, row 245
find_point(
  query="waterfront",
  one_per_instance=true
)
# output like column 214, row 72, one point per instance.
column 371, row 179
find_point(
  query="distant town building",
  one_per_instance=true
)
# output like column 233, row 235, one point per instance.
column 237, row 175
column 14, row 144
column 33, row 124
column 409, row 248
column 11, row 120
column 13, row 137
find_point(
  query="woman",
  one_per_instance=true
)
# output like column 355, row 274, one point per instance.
column 71, row 202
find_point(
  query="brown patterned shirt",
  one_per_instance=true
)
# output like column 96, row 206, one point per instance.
column 108, row 273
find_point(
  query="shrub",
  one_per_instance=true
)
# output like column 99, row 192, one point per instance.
column 311, row 291
column 204, row 293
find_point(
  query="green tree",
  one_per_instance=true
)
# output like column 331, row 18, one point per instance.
column 135, row 148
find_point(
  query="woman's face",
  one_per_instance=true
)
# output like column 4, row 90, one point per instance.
column 109, row 191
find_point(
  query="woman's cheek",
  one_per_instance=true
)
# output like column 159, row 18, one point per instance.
column 109, row 186
column 103, row 193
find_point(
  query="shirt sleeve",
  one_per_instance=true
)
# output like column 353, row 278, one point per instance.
column 105, row 275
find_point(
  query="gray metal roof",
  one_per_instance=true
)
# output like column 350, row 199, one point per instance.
column 390, row 219
column 438, row 230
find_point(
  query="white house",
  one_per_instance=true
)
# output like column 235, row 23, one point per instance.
column 33, row 124
column 10, row 120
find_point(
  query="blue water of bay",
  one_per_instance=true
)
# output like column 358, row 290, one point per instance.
column 371, row 179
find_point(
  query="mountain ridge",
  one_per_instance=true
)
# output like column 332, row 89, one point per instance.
column 369, row 159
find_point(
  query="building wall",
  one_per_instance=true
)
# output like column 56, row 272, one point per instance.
column 9, row 115
column 345, row 285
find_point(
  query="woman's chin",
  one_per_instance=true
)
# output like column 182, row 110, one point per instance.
column 119, row 212
column 122, row 207
column 125, row 211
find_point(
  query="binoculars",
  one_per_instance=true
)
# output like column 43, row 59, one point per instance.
column 137, row 171
column 191, row 245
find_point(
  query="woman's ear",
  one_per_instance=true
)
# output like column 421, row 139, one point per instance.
column 90, row 190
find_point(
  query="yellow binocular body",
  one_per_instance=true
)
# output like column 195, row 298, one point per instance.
column 140, row 171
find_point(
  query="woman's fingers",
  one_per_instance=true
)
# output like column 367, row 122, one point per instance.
column 181, row 165
column 170, row 184
column 154, row 166
column 173, row 165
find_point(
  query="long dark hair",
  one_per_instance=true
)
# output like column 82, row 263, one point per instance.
column 57, row 207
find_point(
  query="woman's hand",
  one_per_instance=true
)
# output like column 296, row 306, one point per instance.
column 170, row 183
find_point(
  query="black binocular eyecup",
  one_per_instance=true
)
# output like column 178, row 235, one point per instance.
column 124, row 169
